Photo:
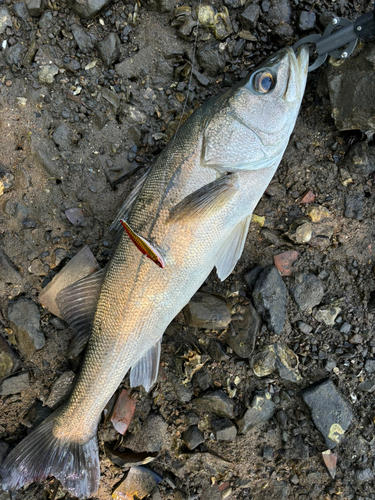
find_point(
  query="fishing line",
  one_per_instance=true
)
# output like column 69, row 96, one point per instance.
column 191, row 72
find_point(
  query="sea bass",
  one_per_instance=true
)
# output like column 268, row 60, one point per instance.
column 191, row 213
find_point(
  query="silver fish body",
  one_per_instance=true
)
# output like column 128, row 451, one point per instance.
column 194, row 208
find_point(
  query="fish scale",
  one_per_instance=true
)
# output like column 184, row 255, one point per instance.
column 194, row 207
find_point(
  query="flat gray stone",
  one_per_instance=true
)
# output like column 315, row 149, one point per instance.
column 5, row 19
column 207, row 311
column 216, row 402
column 261, row 410
column 24, row 317
column 88, row 8
column 224, row 430
column 308, row 291
column 16, row 384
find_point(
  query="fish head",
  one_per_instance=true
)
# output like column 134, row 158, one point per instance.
column 254, row 119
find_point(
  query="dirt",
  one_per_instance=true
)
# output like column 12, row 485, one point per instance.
column 82, row 142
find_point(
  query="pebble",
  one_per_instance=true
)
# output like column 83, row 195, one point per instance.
column 304, row 327
column 35, row 7
column 267, row 453
column 307, row 291
column 210, row 59
column 85, row 41
column 307, row 197
column 16, row 384
column 270, row 298
column 60, row 388
column 364, row 475
column 109, row 49
column 246, row 332
column 261, row 410
column 88, row 8
column 224, row 430
column 14, row 55
column 264, row 362
column 249, row 17
column 345, row 328
column 284, row 262
column 251, row 277
column 140, row 480
column 318, row 213
column 327, row 316
column 297, row 449
column 24, row 317
column 330, row 461
column 20, row 10
column 370, row 366
column 192, row 437
column 216, row 351
column 204, row 379
column 234, row 4
column 207, row 311
column 123, row 412
column 151, row 437
column 307, row 20
column 9, row 362
column 181, row 391
column 331, row 412
column 367, row 386
column 216, row 402
column 8, row 271
column 361, row 160
column 47, row 73
column 355, row 206
column 287, row 363
column 5, row 19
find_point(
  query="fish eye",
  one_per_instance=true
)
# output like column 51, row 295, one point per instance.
column 263, row 82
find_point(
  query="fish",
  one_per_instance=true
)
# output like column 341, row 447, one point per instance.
column 190, row 213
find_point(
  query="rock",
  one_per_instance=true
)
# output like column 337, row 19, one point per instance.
column 318, row 213
column 216, row 402
column 297, row 449
column 307, row 197
column 234, row 4
column 260, row 411
column 351, row 85
column 287, row 363
column 364, row 475
column 207, row 311
column 6, row 181
column 251, row 277
column 47, row 73
column 249, row 17
column 279, row 12
column 8, row 271
column 151, row 437
column 88, row 8
column 264, row 362
column 274, row 489
column 304, row 327
column 224, row 430
column 109, row 49
column 204, row 379
column 307, row 291
column 284, row 262
column 24, row 317
column 327, row 316
column 267, row 453
column 140, row 480
column 20, row 10
column 284, row 32
column 331, row 413
column 61, row 136
column 210, row 59
column 5, row 19
column 370, row 366
column 282, row 418
column 367, row 386
column 181, row 391
column 85, row 41
column 192, row 437
column 16, row 384
column 14, row 54
column 159, row 5
column 361, row 160
column 354, row 206
column 270, row 297
column 35, row 7
column 246, row 332
column 216, row 351
column 307, row 20
column 9, row 362
column 60, row 388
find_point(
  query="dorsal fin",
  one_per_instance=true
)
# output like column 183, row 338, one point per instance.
column 77, row 304
column 145, row 371
column 143, row 245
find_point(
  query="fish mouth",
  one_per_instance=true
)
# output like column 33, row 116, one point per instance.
column 298, row 68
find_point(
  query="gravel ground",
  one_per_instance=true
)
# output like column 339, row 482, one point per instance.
column 88, row 99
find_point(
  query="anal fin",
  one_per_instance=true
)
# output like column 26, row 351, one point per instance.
column 145, row 371
column 232, row 249
column 77, row 304
column 206, row 200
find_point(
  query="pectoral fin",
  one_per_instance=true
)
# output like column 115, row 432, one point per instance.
column 145, row 371
column 231, row 250
column 206, row 200
column 144, row 246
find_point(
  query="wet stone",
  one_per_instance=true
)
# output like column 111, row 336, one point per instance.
column 331, row 413
column 249, row 17
column 5, row 19
column 109, row 49
column 261, row 410
column 207, row 311
column 89, row 8
column 35, row 7
column 224, row 430
column 24, row 317
column 307, row 20
column 354, row 206
column 192, row 437
column 308, row 291
column 270, row 298
column 210, row 59
column 84, row 40
column 16, row 384
column 246, row 332
column 216, row 402
column 60, row 388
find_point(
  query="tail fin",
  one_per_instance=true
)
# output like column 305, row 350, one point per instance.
column 41, row 454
